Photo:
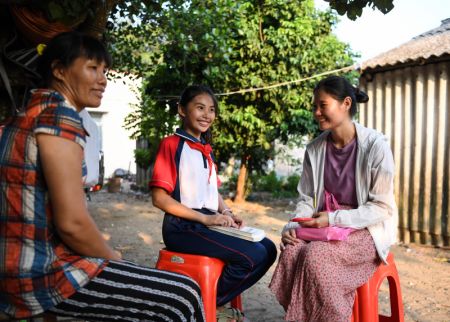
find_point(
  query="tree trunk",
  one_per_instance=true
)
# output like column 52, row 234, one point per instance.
column 242, row 179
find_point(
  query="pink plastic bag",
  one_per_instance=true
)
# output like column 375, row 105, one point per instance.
column 325, row 233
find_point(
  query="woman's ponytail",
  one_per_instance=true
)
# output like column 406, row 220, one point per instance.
column 361, row 97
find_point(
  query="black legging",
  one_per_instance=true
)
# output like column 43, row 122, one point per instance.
column 124, row 291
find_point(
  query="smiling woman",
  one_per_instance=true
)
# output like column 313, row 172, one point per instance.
column 83, row 83
column 347, row 182
column 56, row 258
column 78, row 73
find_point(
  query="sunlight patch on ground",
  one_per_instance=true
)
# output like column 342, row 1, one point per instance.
column 146, row 238
column 274, row 222
column 120, row 206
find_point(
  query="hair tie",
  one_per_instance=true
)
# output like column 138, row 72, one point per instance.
column 40, row 49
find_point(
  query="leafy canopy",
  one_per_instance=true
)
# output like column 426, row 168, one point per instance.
column 231, row 45
column 354, row 8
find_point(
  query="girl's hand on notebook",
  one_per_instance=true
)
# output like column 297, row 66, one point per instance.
column 220, row 220
column 238, row 221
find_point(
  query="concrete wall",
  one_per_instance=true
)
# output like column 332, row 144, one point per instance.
column 116, row 144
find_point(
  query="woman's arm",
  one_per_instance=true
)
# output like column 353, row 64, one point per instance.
column 61, row 161
column 162, row 200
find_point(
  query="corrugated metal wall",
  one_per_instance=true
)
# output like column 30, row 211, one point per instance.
column 411, row 106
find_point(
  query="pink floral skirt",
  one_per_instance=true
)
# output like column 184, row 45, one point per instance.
column 316, row 281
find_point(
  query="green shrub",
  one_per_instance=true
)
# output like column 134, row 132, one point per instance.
column 284, row 194
column 279, row 187
column 291, row 183
column 143, row 158
column 269, row 182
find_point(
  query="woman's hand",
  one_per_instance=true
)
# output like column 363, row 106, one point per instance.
column 320, row 220
column 288, row 237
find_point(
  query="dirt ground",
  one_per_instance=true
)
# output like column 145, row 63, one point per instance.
column 133, row 226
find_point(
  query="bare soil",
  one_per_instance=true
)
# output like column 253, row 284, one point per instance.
column 133, row 226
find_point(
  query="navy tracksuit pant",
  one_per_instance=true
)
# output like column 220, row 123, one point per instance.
column 246, row 261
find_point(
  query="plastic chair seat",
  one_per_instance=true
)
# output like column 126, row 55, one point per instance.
column 365, row 308
column 204, row 270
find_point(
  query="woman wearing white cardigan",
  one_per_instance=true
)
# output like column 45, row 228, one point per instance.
column 317, row 280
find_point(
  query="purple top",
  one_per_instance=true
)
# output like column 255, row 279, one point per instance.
column 339, row 174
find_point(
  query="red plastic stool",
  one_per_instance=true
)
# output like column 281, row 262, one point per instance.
column 204, row 270
column 365, row 308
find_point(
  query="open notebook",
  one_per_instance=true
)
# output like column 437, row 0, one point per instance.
column 247, row 233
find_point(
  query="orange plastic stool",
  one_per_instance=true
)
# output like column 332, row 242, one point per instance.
column 365, row 308
column 204, row 270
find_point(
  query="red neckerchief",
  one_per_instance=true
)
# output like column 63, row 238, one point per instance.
column 205, row 150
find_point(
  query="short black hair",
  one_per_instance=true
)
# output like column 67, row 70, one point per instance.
column 65, row 48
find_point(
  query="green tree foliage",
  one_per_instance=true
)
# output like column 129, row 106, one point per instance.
column 232, row 45
column 135, row 47
column 354, row 8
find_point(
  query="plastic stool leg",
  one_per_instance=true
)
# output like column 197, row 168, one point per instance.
column 365, row 308
column 367, row 304
column 206, row 271
column 237, row 303
column 397, row 313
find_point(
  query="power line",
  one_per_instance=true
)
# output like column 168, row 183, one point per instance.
column 256, row 89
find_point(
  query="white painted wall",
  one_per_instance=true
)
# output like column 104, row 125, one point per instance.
column 289, row 158
column 118, row 148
